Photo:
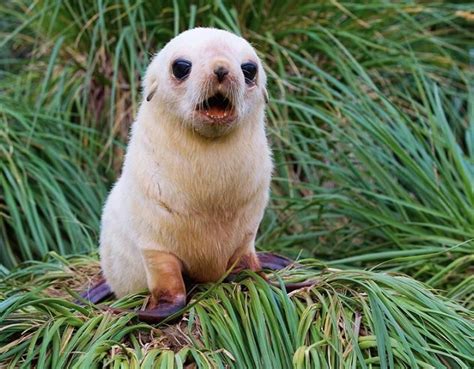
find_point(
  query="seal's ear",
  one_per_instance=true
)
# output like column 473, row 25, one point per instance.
column 152, row 90
column 150, row 80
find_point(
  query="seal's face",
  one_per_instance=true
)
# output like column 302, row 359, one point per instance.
column 207, row 79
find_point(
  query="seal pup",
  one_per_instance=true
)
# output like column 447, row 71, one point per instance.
column 196, row 176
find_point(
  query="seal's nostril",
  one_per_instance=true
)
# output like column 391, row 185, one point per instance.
column 221, row 72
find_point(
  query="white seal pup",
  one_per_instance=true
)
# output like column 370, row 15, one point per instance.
column 197, row 171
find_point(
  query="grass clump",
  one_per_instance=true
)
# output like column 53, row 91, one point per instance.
column 372, row 127
column 349, row 318
column 51, row 187
column 393, row 184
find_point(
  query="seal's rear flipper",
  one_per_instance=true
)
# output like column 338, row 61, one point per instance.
column 269, row 260
column 98, row 293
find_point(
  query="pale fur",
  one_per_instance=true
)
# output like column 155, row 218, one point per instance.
column 187, row 189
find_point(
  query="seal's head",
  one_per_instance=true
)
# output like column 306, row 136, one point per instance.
column 207, row 79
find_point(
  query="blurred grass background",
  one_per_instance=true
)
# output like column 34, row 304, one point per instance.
column 371, row 120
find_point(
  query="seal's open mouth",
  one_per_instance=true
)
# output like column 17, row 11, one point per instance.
column 217, row 109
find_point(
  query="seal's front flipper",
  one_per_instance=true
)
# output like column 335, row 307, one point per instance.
column 269, row 260
column 165, row 282
column 163, row 309
column 99, row 292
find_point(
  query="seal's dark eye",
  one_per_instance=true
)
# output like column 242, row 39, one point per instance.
column 250, row 71
column 181, row 68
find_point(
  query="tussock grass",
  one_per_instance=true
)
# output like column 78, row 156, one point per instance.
column 349, row 318
column 369, row 116
column 372, row 126
column 351, row 84
column 52, row 188
column 393, row 184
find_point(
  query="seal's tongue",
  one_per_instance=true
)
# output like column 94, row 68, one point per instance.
column 216, row 111
column 217, row 106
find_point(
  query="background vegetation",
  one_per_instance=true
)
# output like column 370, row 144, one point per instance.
column 371, row 119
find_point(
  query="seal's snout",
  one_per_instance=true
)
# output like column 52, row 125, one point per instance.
column 221, row 70
column 221, row 73
column 220, row 87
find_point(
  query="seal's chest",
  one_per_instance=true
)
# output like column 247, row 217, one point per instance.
column 218, row 186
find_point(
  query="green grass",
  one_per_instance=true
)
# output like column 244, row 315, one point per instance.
column 393, row 184
column 371, row 120
column 52, row 188
column 348, row 319
column 350, row 83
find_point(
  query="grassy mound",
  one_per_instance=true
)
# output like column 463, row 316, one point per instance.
column 348, row 318
column 371, row 119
